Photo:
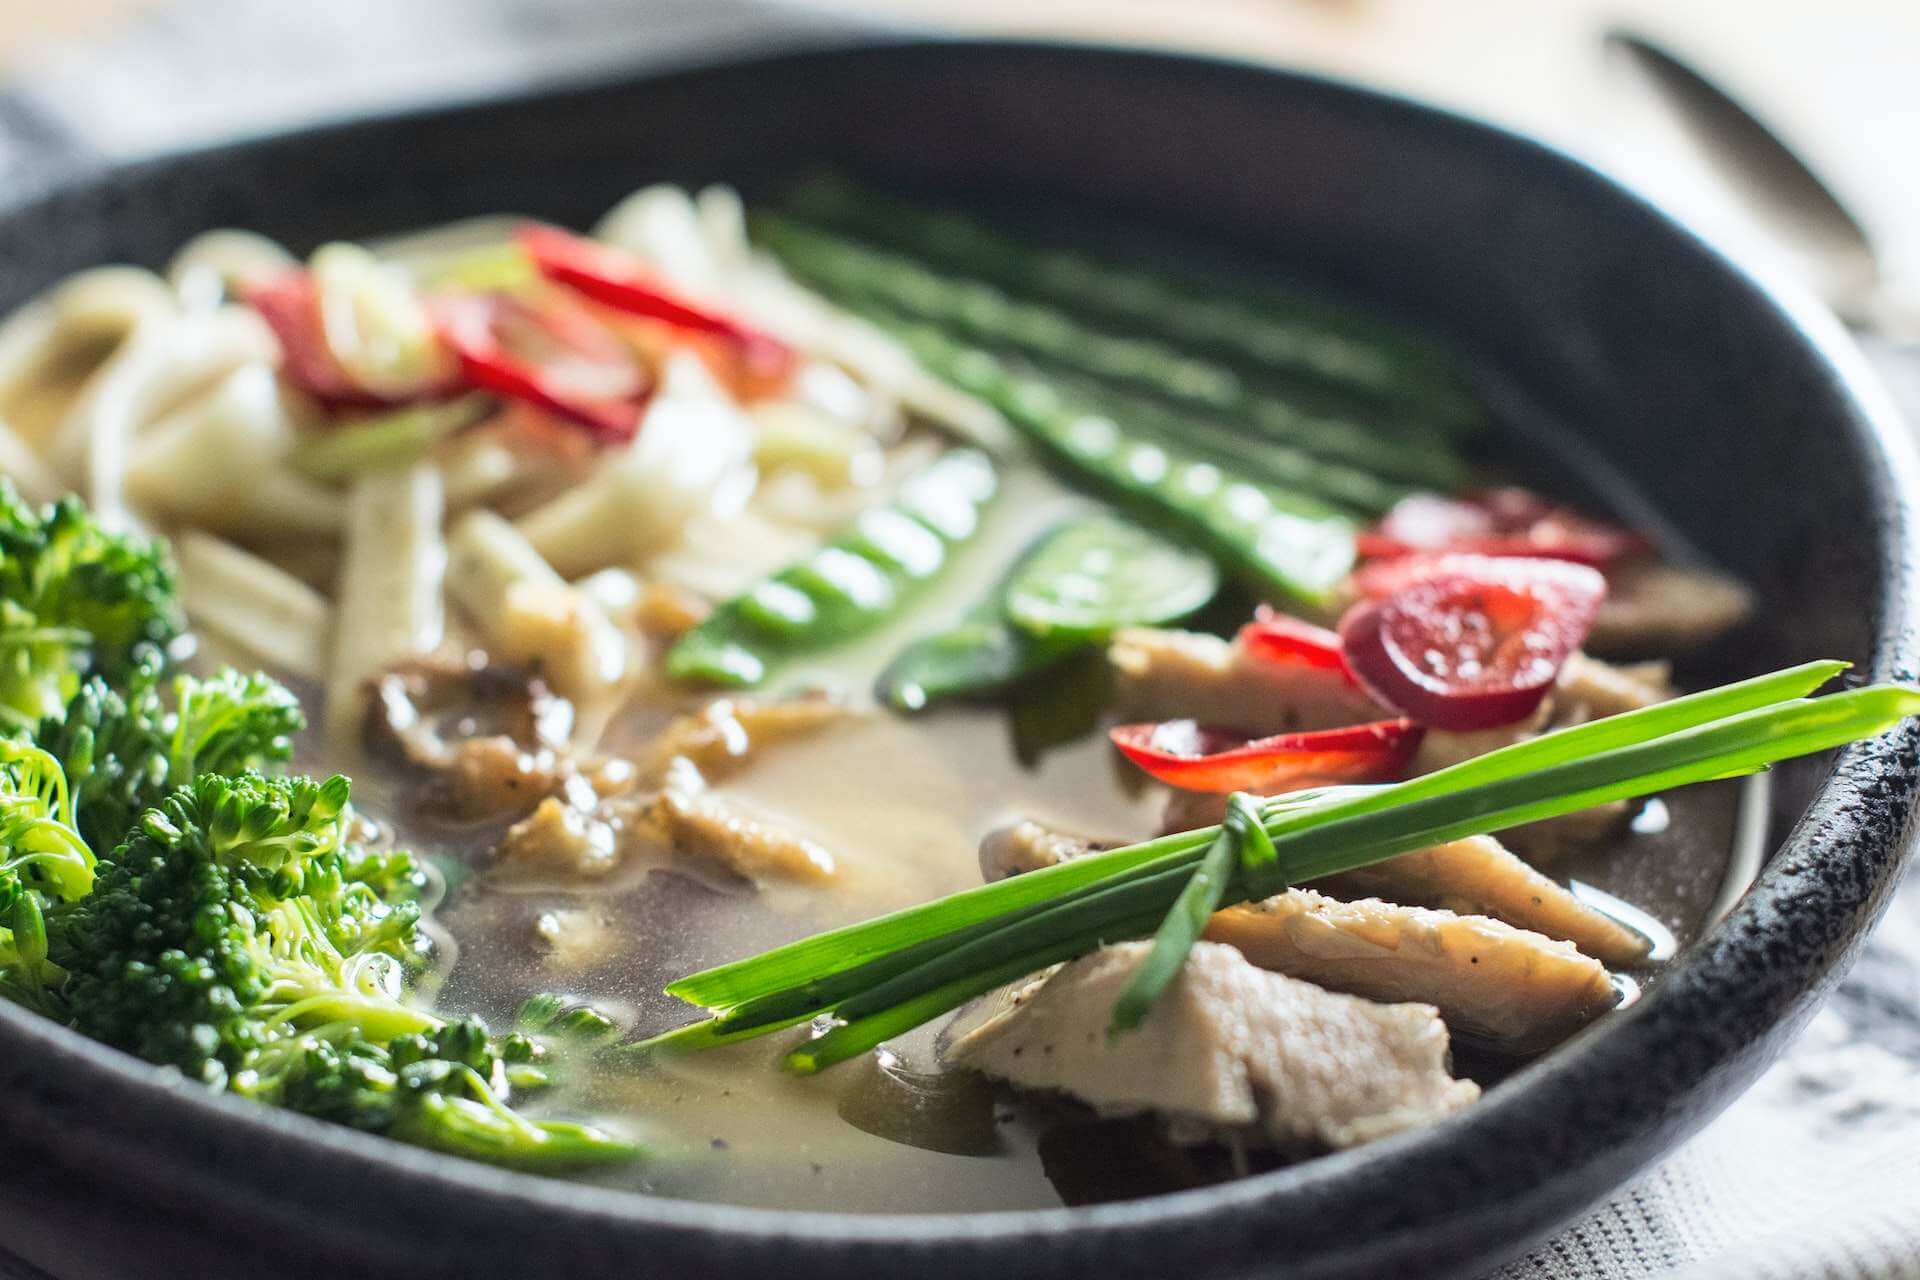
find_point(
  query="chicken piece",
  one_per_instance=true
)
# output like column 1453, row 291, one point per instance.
column 723, row 736
column 1654, row 608
column 1478, row 876
column 1387, row 951
column 494, row 737
column 1587, row 689
column 1514, row 989
column 1227, row 1049
column 1186, row 675
column 1025, row 846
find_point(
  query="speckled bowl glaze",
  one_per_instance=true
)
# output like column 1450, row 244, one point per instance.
column 1746, row 418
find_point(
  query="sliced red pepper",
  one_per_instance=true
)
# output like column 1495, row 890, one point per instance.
column 290, row 305
column 1275, row 637
column 1474, row 642
column 549, row 357
column 1498, row 522
column 617, row 280
column 1196, row 758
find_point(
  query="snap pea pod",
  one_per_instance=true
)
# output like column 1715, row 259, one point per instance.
column 846, row 270
column 1283, row 543
column 1278, row 330
column 854, row 582
column 1228, row 445
column 1075, row 586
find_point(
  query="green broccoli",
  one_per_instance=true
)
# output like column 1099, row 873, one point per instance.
column 124, row 750
column 43, row 861
column 228, row 938
column 74, row 599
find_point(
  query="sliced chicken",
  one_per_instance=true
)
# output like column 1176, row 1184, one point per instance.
column 1512, row 980
column 1186, row 675
column 1662, row 608
column 1478, row 876
column 1025, row 846
column 1228, row 1049
column 1512, row 988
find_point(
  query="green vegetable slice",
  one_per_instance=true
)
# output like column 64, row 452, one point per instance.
column 856, row 581
column 1090, row 578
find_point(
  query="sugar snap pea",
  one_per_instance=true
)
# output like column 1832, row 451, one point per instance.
column 854, row 582
column 1076, row 585
column 1283, row 543
column 1290, row 332
column 851, row 271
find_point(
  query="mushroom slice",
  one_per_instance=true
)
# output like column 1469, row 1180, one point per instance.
column 495, row 736
column 724, row 735
column 1228, row 1049
column 682, row 820
column 1480, row 876
column 1514, row 989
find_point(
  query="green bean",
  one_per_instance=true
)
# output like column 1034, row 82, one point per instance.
column 985, row 314
column 853, row 583
column 1078, row 584
column 1230, row 445
column 1281, row 331
column 1283, row 543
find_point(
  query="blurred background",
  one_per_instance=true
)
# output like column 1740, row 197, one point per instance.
column 1811, row 176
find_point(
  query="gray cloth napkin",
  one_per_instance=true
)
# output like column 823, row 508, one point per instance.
column 1814, row 1173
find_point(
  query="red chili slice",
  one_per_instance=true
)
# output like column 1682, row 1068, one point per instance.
column 1195, row 758
column 1497, row 522
column 1474, row 643
column 551, row 357
column 291, row 308
column 616, row 280
column 1275, row 637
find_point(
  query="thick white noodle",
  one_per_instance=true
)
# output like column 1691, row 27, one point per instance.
column 528, row 613
column 389, row 597
column 253, row 605
column 32, row 478
column 206, row 270
column 638, row 499
column 161, row 362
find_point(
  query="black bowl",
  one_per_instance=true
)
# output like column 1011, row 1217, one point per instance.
column 1744, row 417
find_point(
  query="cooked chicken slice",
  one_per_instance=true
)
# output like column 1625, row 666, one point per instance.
column 722, row 737
column 1478, row 876
column 1663, row 608
column 559, row 841
column 1186, row 675
column 1587, row 689
column 494, row 736
column 1025, row 846
column 1511, row 979
column 1227, row 1048
column 1513, row 988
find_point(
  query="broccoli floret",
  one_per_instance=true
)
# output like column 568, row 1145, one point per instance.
column 74, row 599
column 124, row 750
column 229, row 937
column 43, row 860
